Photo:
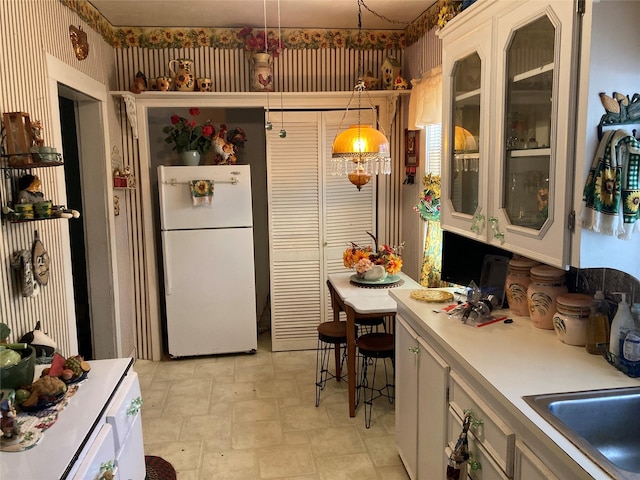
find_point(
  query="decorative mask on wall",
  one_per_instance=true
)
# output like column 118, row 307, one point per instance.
column 79, row 42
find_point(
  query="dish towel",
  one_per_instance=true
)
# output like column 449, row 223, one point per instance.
column 201, row 192
column 611, row 196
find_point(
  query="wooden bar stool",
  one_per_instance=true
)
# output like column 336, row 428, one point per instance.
column 331, row 336
column 372, row 347
column 366, row 325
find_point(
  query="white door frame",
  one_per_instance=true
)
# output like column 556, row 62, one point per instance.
column 102, row 272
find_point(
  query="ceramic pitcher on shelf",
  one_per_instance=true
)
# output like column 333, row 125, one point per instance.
column 183, row 77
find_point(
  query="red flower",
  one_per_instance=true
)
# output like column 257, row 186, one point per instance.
column 175, row 119
column 194, row 112
column 208, row 131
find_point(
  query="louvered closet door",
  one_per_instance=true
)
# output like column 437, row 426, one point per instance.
column 312, row 216
column 348, row 213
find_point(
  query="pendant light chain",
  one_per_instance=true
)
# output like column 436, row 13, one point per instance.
column 268, row 125
column 283, row 132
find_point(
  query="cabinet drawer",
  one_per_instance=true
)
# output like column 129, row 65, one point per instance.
column 494, row 435
column 124, row 409
column 99, row 454
column 529, row 467
column 488, row 468
column 131, row 464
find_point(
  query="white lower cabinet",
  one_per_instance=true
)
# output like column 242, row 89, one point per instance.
column 421, row 394
column 528, row 466
column 481, row 465
column 124, row 416
column 434, row 390
column 119, row 444
column 100, row 456
column 487, row 428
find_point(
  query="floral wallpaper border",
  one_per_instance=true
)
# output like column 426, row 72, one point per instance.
column 125, row 37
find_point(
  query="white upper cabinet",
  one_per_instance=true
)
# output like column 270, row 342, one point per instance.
column 508, row 71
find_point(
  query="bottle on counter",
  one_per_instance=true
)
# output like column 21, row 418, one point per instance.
column 622, row 323
column 598, row 325
column 630, row 349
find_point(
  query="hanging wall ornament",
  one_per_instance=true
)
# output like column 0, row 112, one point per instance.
column 79, row 42
column 40, row 260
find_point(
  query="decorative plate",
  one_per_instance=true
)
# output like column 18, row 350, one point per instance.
column 388, row 280
column 432, row 296
column 77, row 379
column 43, row 403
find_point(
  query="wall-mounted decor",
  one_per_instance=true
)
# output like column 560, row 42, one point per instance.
column 411, row 148
column 79, row 42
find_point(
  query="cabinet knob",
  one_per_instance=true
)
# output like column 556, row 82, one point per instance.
column 107, row 470
column 477, row 223
column 495, row 229
column 134, row 407
column 475, row 423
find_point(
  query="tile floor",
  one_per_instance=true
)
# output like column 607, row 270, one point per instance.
column 246, row 417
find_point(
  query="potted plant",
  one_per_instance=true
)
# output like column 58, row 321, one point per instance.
column 189, row 138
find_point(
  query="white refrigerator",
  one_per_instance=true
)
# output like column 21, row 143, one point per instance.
column 208, row 263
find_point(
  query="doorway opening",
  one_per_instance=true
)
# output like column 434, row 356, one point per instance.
column 73, row 182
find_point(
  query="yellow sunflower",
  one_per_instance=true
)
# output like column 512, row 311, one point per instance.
column 606, row 186
column 202, row 187
column 633, row 201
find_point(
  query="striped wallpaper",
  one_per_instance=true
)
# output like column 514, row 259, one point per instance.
column 33, row 29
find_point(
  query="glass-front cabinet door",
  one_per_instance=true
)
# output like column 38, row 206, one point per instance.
column 527, row 129
column 465, row 161
column 533, row 150
column 465, row 116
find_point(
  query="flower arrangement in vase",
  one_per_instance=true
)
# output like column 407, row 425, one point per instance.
column 366, row 260
column 429, row 204
column 260, row 42
column 187, row 135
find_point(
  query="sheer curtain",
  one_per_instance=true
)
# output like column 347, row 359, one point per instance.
column 425, row 112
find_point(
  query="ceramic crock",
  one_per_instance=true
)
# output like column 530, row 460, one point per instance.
column 517, row 282
column 572, row 317
column 262, row 72
column 547, row 283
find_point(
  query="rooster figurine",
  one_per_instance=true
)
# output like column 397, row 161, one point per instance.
column 265, row 81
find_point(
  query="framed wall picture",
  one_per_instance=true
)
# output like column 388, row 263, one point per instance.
column 411, row 147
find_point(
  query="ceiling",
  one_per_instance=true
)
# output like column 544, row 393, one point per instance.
column 304, row 14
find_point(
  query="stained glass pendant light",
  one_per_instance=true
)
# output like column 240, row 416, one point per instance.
column 360, row 151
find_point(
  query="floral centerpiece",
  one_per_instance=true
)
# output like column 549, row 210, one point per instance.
column 259, row 42
column 429, row 204
column 363, row 259
column 187, row 135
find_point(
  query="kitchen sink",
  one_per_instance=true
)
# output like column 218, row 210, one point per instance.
column 604, row 424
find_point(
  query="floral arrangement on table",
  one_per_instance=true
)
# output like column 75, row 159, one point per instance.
column 429, row 204
column 187, row 135
column 363, row 259
column 259, row 42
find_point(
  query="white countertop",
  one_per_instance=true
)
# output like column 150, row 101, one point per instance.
column 55, row 453
column 517, row 359
column 365, row 299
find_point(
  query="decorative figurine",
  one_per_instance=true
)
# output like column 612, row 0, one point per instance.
column 139, row 83
column 390, row 70
column 8, row 425
column 400, row 83
column 79, row 42
column 29, row 189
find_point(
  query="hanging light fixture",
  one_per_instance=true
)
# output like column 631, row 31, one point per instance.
column 361, row 150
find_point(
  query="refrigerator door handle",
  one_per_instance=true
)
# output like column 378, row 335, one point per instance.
column 166, row 264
